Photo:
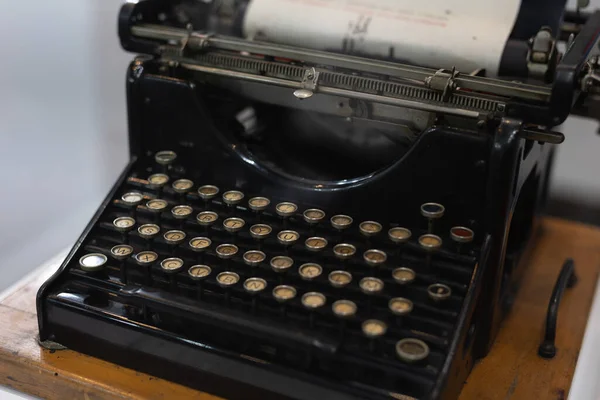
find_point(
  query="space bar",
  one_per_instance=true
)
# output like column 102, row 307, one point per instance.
column 228, row 319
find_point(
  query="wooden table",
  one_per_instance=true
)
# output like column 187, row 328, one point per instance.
column 511, row 370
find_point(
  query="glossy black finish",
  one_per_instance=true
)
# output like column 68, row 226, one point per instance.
column 566, row 279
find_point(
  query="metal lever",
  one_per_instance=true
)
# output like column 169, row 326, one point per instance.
column 542, row 136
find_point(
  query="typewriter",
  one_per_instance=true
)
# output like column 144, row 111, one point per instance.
column 309, row 224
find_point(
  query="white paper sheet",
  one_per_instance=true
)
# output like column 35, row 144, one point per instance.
column 468, row 34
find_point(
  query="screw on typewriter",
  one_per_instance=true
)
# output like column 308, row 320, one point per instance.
column 124, row 225
column 199, row 273
column 121, row 253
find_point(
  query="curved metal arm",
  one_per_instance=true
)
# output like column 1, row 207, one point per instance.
column 566, row 278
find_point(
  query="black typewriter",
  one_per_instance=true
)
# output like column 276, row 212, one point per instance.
column 363, row 242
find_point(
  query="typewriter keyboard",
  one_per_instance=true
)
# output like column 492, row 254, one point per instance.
column 368, row 304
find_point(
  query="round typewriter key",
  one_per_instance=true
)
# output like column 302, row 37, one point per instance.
column 171, row 266
column 341, row 222
column 311, row 301
column 310, row 271
column 174, row 237
column 232, row 197
column 123, row 224
column 439, row 292
column 432, row 211
column 182, row 211
column 148, row 231
column 207, row 218
column 369, row 228
column 313, row 215
column 343, row 309
column 374, row 258
column 254, row 286
column 253, row 258
column 429, row 243
column 399, row 235
column 157, row 181
column 288, row 238
column 208, row 192
column 199, row 244
column 370, row 285
column 226, row 280
column 93, row 262
column 281, row 264
column 132, row 199
column 165, row 157
column 226, row 251
column 182, row 186
column 258, row 203
column 372, row 329
column 344, row 251
column 146, row 259
column 315, row 243
column 411, row 350
column 400, row 306
column 199, row 273
column 234, row 224
column 461, row 235
column 121, row 251
column 284, row 293
column 339, row 279
column 286, row 209
column 403, row 275
column 157, row 205
column 260, row 231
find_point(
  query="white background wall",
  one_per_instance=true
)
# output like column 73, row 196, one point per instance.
column 63, row 127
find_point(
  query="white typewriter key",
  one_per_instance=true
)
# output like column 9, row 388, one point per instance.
column 310, row 271
column 132, row 199
column 288, row 238
column 165, row 157
column 315, row 243
column 369, row 228
column 400, row 306
column 432, row 211
column 208, row 192
column 93, row 262
column 199, row 244
column 258, row 203
column 284, row 293
column 399, row 234
column 461, row 235
column 286, row 209
column 157, row 181
column 344, row 251
column 148, row 231
column 253, row 258
column 254, row 286
column 374, row 258
column 313, row 215
column 207, row 218
column 233, row 225
column 439, row 292
column 199, row 273
column 226, row 251
column 171, row 265
column 344, row 309
column 124, row 224
column 233, row 197
column 182, row 211
column 182, row 186
column 370, row 285
column 281, row 264
column 429, row 243
column 341, row 222
column 403, row 275
column 121, row 251
column 411, row 350
column 339, row 279
column 312, row 301
column 174, row 237
column 260, row 231
column 157, row 205
column 146, row 259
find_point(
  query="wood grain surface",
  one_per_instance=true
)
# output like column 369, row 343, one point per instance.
column 511, row 371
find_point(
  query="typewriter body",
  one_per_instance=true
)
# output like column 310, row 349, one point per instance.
column 305, row 224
